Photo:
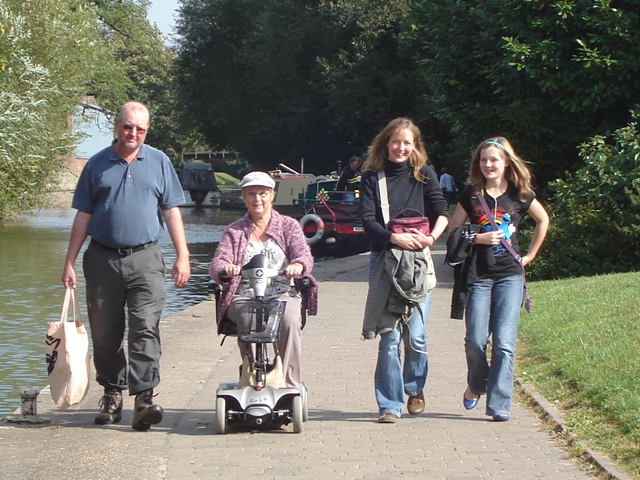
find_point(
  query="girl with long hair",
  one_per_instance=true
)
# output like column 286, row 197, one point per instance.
column 503, row 180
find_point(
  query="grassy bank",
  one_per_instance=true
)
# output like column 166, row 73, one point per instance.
column 580, row 347
column 224, row 179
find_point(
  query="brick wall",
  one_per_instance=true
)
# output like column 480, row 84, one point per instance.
column 69, row 176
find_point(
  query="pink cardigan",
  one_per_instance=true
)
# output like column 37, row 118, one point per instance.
column 285, row 231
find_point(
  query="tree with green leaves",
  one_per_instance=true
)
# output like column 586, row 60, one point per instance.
column 54, row 54
column 374, row 73
column 248, row 74
column 283, row 80
column 595, row 227
column 148, row 65
column 43, row 77
column 545, row 74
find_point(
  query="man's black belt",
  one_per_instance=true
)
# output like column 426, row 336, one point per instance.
column 124, row 251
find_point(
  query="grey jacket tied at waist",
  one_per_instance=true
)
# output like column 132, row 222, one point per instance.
column 401, row 280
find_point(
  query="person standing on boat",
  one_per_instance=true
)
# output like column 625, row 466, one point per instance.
column 123, row 194
column 397, row 163
column 349, row 180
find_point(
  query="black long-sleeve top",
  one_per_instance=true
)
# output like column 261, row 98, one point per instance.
column 404, row 192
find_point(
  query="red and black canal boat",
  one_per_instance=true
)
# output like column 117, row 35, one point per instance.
column 331, row 220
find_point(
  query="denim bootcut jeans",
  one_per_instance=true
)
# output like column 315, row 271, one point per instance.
column 493, row 309
column 392, row 380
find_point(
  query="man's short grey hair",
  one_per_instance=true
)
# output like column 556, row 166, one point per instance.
column 132, row 106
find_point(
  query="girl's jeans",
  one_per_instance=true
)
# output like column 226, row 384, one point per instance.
column 493, row 309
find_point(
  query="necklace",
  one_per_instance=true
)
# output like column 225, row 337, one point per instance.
column 495, row 203
column 257, row 234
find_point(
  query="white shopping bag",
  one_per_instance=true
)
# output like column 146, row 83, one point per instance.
column 68, row 362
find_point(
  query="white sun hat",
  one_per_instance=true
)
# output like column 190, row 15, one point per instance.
column 257, row 179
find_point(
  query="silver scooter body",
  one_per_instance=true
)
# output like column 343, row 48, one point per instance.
column 258, row 403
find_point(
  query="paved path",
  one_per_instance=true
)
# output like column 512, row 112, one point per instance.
column 342, row 437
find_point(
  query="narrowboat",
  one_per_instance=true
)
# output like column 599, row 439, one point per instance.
column 331, row 220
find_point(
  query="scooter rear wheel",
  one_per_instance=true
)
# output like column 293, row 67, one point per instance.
column 221, row 415
column 296, row 413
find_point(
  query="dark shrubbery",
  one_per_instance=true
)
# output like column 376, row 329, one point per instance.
column 595, row 213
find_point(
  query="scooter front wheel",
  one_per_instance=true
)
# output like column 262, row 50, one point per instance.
column 221, row 415
column 296, row 413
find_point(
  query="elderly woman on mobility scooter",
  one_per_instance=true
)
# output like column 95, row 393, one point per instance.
column 265, row 231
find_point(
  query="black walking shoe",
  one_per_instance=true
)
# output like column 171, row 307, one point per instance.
column 110, row 407
column 145, row 413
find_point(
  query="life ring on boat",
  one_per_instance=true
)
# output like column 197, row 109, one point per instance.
column 319, row 228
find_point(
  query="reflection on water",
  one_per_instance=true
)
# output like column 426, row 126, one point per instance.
column 33, row 251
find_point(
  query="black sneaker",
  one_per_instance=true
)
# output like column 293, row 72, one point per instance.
column 145, row 413
column 110, row 407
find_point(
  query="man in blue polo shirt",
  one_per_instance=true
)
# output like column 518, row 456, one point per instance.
column 123, row 195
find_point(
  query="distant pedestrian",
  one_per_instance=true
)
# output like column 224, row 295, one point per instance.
column 448, row 186
column 349, row 180
column 398, row 181
column 123, row 194
column 500, row 177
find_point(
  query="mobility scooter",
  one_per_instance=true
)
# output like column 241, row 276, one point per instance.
column 260, row 397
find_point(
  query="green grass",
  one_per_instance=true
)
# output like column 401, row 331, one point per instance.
column 224, row 179
column 580, row 347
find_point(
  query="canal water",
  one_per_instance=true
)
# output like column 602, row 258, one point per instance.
column 32, row 252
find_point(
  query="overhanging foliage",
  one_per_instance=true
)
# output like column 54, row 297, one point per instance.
column 545, row 74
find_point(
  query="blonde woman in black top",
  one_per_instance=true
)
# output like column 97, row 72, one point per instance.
column 398, row 151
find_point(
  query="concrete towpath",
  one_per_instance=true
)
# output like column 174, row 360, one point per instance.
column 342, row 437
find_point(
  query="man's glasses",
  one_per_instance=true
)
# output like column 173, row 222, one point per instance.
column 133, row 128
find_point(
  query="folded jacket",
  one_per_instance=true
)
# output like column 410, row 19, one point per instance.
column 401, row 280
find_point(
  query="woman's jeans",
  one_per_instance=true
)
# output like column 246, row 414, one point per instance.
column 392, row 381
column 493, row 309
column 373, row 258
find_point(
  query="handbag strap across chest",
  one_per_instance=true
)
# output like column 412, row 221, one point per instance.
column 384, row 201
column 503, row 241
column 384, row 197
